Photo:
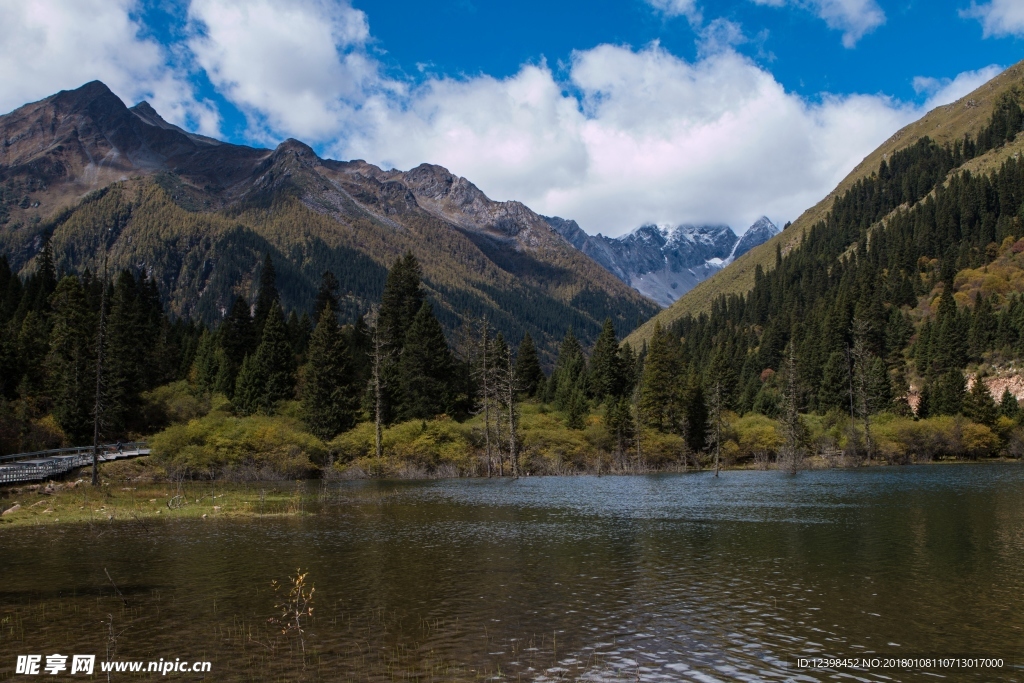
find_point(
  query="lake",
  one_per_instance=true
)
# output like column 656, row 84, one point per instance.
column 676, row 577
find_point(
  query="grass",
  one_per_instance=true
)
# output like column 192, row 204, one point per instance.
column 117, row 500
column 943, row 124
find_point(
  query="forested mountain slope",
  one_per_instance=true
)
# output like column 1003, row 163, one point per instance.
column 910, row 289
column 943, row 125
column 103, row 181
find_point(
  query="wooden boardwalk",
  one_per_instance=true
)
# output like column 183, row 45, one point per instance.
column 46, row 464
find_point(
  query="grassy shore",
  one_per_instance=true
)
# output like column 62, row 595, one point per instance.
column 78, row 502
column 134, row 492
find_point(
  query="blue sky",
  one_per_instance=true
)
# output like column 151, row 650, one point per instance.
column 611, row 112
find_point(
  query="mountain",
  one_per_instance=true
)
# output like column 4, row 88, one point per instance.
column 105, row 181
column 663, row 263
column 945, row 124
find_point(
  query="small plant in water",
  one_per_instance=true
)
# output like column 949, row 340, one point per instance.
column 296, row 605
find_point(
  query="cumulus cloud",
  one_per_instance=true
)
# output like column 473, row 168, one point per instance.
column 52, row 45
column 643, row 136
column 290, row 66
column 677, row 8
column 855, row 18
column 621, row 136
column 998, row 18
column 942, row 91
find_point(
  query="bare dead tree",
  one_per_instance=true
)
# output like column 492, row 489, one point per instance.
column 378, row 383
column 510, row 395
column 98, row 405
column 484, row 372
column 715, row 408
column 861, row 362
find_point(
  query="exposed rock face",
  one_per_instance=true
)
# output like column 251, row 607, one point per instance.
column 757, row 234
column 663, row 263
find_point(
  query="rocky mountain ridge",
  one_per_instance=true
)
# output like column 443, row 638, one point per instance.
column 96, row 177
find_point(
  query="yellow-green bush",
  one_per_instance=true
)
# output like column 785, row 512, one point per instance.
column 424, row 445
column 901, row 439
column 175, row 402
column 755, row 434
column 256, row 445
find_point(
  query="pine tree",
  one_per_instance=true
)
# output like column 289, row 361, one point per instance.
column 326, row 296
column 330, row 392
column 206, row 364
column 250, row 386
column 236, row 336
column 948, row 394
column 1008, row 406
column 125, row 344
column 979, row 405
column 569, row 375
column 267, row 377
column 660, row 395
column 70, row 361
column 606, row 379
column 402, row 300
column 276, row 357
column 528, row 370
column 425, row 368
column 267, row 297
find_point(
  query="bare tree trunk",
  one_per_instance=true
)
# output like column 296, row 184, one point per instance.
column 716, row 416
column 97, row 406
column 861, row 361
column 378, row 384
column 792, row 414
column 511, row 389
column 853, row 416
column 485, row 377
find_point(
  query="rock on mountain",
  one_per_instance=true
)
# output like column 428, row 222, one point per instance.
column 663, row 263
column 197, row 214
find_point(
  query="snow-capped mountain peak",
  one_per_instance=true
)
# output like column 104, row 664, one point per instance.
column 665, row 261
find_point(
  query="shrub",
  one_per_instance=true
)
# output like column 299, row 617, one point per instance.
column 220, row 443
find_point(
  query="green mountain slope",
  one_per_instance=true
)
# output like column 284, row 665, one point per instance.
column 943, row 125
column 102, row 181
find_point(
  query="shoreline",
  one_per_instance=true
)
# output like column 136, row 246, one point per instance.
column 55, row 503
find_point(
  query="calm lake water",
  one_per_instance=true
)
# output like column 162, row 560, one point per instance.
column 652, row 578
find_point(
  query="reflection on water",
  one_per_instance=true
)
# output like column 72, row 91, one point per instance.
column 667, row 577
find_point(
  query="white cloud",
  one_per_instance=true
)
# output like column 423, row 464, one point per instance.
column 855, row 18
column 942, row 91
column 52, row 45
column 291, row 66
column 644, row 137
column 999, row 17
column 678, row 8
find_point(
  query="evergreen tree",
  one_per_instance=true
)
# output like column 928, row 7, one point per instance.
column 250, row 386
column 267, row 377
column 237, row 339
column 948, row 394
column 123, row 356
column 1008, row 406
column 661, row 403
column 425, row 369
column 528, row 370
column 402, row 300
column 569, row 374
column 267, row 297
column 206, row 364
column 979, row 405
column 71, row 361
column 326, row 296
column 330, row 394
column 834, row 392
column 606, row 380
